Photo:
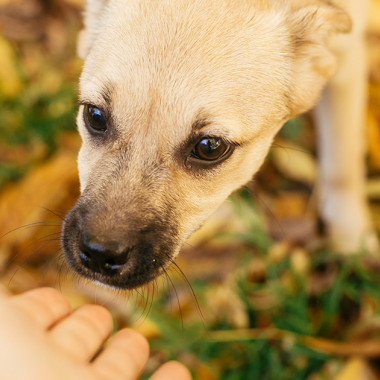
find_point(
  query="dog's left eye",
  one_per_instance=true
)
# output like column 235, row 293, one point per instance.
column 94, row 118
column 210, row 149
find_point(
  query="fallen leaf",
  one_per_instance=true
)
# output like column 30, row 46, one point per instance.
column 147, row 328
column 205, row 372
column 223, row 220
column 290, row 205
column 368, row 348
column 294, row 162
column 224, row 305
column 292, row 218
column 374, row 17
column 328, row 371
column 300, row 261
column 356, row 369
column 10, row 84
column 77, row 3
column 373, row 188
column 373, row 131
column 25, row 206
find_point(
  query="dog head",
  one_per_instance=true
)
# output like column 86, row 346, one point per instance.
column 180, row 102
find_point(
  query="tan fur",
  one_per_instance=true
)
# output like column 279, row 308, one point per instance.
column 242, row 66
column 340, row 116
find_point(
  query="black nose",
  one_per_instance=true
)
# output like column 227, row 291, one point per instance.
column 102, row 257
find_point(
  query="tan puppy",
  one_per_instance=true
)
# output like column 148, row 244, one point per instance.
column 180, row 103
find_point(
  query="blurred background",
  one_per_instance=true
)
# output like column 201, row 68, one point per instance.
column 255, row 294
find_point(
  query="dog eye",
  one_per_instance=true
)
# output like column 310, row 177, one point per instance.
column 210, row 149
column 94, row 118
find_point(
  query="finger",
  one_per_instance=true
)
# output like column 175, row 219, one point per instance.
column 83, row 332
column 124, row 357
column 45, row 306
column 172, row 370
column 3, row 291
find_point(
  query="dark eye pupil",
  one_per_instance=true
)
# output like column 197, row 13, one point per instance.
column 94, row 118
column 210, row 149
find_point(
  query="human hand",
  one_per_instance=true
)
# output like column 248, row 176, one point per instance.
column 41, row 338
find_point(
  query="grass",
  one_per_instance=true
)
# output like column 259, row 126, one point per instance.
column 30, row 126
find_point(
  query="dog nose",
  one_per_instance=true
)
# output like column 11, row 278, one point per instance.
column 102, row 257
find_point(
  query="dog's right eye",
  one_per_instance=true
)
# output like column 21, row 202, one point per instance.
column 210, row 149
column 94, row 118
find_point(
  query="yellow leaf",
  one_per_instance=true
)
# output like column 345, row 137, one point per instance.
column 373, row 130
column 224, row 219
column 10, row 84
column 76, row 3
column 356, row 369
column 293, row 162
column 300, row 261
column 373, row 188
column 205, row 372
column 147, row 328
column 374, row 17
column 51, row 186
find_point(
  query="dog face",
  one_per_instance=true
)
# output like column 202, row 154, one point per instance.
column 180, row 103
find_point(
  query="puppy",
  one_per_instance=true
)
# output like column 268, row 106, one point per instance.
column 180, row 101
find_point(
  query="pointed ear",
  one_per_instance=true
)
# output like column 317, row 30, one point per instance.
column 312, row 26
column 92, row 16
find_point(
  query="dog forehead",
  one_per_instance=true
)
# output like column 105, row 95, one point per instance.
column 173, row 59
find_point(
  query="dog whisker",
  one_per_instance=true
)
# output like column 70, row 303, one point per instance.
column 151, row 299
column 43, row 238
column 148, row 304
column 45, row 269
column 266, row 207
column 49, row 223
column 40, row 224
column 176, row 295
column 177, row 268
column 10, row 263
column 54, row 213
column 145, row 294
column 287, row 147
column 61, row 274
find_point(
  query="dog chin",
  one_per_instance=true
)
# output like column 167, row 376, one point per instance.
column 121, row 283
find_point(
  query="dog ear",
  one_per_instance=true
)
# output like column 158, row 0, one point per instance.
column 92, row 17
column 313, row 24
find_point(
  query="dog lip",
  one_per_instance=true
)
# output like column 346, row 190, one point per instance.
column 120, row 281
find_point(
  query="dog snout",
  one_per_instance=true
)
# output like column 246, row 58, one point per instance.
column 123, row 253
column 104, row 257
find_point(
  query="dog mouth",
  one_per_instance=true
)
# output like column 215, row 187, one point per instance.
column 121, row 264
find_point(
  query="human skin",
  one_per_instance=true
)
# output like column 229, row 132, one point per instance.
column 42, row 338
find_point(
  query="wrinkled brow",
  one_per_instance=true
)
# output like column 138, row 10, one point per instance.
column 199, row 124
column 101, row 98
